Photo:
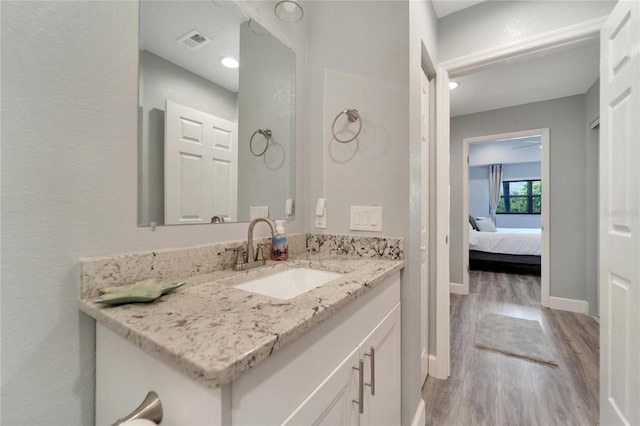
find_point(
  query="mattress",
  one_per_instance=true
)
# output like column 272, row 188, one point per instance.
column 508, row 241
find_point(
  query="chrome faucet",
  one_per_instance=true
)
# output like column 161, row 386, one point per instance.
column 251, row 260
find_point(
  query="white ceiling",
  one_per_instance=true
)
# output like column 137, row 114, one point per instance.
column 162, row 23
column 447, row 7
column 565, row 73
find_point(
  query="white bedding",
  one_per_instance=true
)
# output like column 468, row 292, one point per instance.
column 508, row 241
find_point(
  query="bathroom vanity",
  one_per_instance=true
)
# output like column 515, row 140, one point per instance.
column 216, row 354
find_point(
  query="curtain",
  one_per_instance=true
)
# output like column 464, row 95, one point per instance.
column 495, row 181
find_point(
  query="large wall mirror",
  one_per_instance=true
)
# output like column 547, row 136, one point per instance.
column 216, row 138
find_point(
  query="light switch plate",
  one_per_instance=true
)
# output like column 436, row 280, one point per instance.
column 258, row 211
column 366, row 218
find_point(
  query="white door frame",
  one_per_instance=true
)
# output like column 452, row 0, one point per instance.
column 426, row 119
column 563, row 38
column 544, row 215
column 440, row 363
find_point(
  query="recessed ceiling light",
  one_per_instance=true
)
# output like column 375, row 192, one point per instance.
column 229, row 62
column 453, row 84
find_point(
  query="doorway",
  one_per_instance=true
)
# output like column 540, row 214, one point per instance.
column 520, row 138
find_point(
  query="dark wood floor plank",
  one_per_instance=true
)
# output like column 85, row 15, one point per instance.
column 491, row 388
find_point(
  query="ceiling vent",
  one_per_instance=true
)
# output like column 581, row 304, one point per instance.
column 194, row 40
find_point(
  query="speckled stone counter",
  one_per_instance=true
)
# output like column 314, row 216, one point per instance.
column 213, row 332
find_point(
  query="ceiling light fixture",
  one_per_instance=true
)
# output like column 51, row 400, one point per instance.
column 229, row 62
column 289, row 11
column 453, row 84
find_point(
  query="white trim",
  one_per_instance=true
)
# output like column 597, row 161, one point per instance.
column 442, row 162
column 424, row 365
column 457, row 288
column 544, row 133
column 433, row 368
column 560, row 39
column 571, row 305
column 545, row 281
column 420, row 418
column 465, row 216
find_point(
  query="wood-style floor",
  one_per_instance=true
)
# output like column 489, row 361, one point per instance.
column 490, row 388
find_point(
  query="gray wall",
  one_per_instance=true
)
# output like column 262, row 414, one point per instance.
column 162, row 80
column 592, row 111
column 358, row 58
column 265, row 101
column 565, row 119
column 479, row 193
column 504, row 22
column 69, row 177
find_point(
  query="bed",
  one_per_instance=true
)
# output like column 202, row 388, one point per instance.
column 507, row 250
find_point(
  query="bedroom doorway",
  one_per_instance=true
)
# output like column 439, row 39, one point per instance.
column 514, row 145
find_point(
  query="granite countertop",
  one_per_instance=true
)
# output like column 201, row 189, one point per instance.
column 213, row 332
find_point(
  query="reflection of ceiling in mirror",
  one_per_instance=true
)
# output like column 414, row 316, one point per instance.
column 163, row 23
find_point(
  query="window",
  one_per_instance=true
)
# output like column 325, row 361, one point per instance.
column 520, row 197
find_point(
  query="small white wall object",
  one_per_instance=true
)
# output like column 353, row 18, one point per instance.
column 288, row 207
column 258, row 211
column 321, row 213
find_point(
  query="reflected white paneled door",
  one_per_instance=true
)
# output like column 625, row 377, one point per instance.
column 201, row 166
column 620, row 216
column 424, row 225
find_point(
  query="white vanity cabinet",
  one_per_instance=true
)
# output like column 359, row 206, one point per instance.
column 365, row 388
column 311, row 380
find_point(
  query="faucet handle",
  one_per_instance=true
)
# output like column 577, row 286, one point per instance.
column 260, row 251
column 239, row 254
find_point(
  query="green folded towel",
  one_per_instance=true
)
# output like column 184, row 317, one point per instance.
column 142, row 291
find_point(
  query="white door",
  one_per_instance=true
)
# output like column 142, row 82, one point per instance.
column 381, row 354
column 201, row 166
column 332, row 403
column 620, row 216
column 424, row 226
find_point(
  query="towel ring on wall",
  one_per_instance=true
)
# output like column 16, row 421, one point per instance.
column 352, row 116
column 267, row 135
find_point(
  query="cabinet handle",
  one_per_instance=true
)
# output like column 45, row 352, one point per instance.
column 372, row 355
column 360, row 401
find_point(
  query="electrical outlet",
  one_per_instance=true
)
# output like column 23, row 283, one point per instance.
column 321, row 221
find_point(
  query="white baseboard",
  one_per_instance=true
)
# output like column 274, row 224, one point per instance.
column 456, row 288
column 420, row 417
column 434, row 370
column 571, row 305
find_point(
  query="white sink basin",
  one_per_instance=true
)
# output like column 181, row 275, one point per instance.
column 289, row 283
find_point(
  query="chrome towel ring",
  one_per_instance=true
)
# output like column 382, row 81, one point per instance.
column 267, row 135
column 352, row 116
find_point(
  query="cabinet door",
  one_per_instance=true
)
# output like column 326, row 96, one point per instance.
column 382, row 372
column 332, row 403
